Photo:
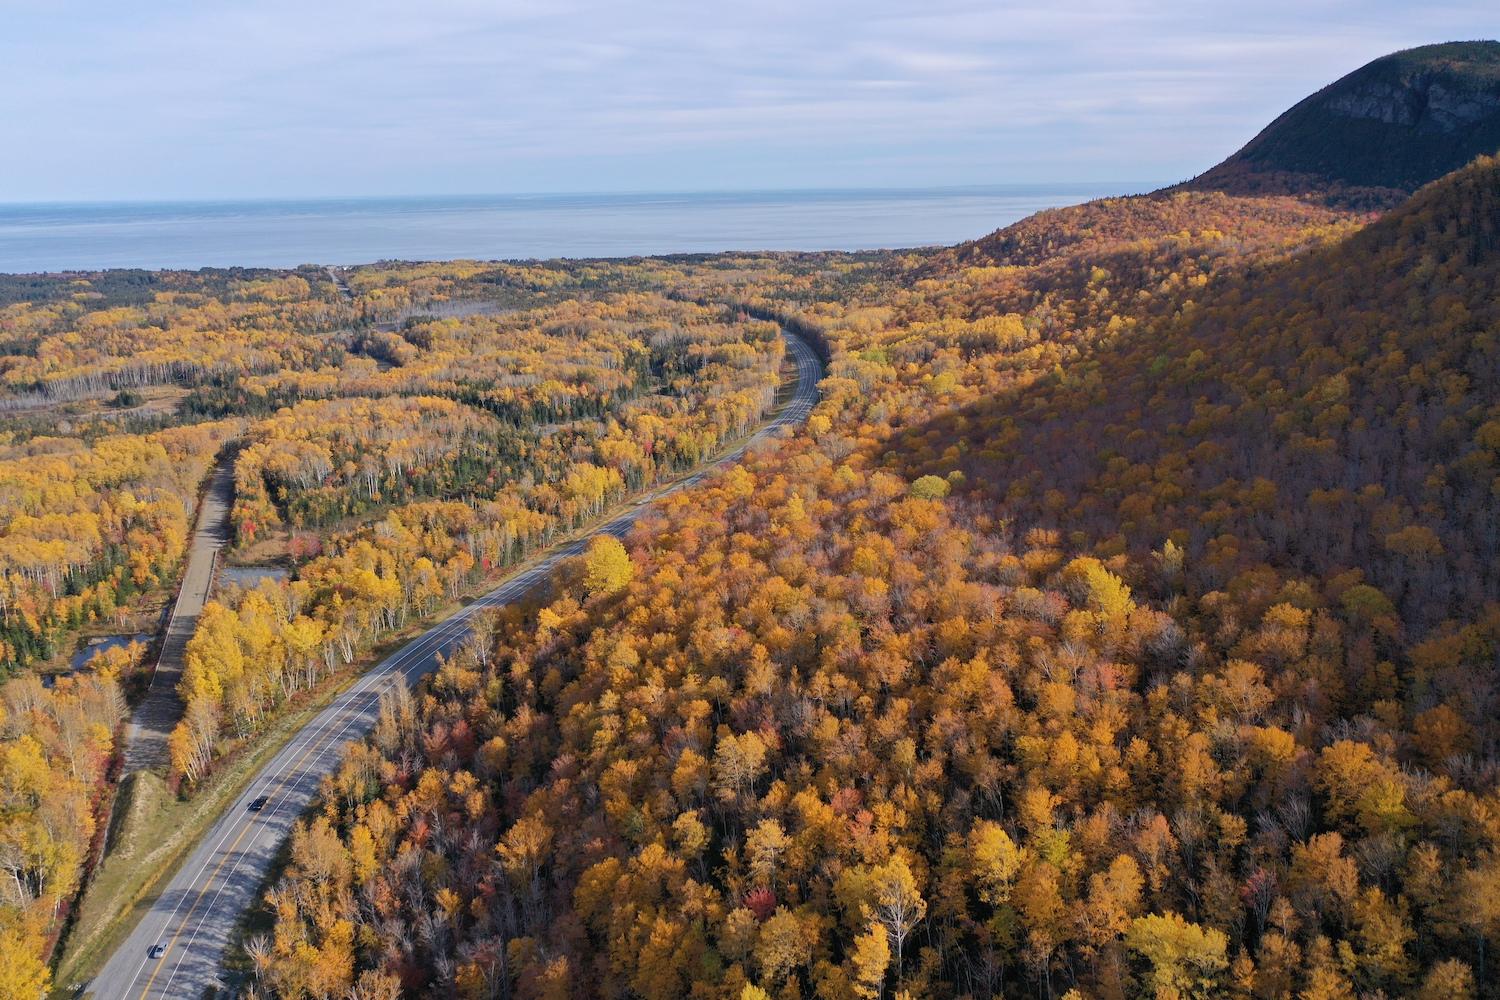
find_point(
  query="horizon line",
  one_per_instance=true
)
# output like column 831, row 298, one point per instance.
column 1018, row 186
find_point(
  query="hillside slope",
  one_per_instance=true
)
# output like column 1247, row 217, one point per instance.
column 1251, row 223
column 1324, row 413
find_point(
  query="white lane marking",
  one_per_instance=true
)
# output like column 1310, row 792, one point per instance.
column 317, row 731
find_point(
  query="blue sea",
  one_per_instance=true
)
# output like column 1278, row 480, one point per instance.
column 56, row 237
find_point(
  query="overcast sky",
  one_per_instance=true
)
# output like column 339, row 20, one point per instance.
column 162, row 99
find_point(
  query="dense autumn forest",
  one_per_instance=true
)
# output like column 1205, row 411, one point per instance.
column 1124, row 622
column 1124, row 626
column 398, row 436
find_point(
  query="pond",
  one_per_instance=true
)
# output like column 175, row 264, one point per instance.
column 250, row 577
column 100, row 643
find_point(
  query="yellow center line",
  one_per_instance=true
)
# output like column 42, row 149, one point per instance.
column 172, row 943
column 160, row 962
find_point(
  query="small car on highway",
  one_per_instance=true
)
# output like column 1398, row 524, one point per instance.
column 157, row 950
column 256, row 805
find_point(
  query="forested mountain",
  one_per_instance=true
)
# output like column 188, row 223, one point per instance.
column 1386, row 129
column 1360, row 145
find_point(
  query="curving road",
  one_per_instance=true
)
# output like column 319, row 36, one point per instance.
column 195, row 915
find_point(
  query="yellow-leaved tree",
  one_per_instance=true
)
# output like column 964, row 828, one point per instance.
column 607, row 567
column 1186, row 960
column 22, row 974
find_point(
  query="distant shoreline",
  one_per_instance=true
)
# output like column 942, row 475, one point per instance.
column 522, row 197
column 49, row 237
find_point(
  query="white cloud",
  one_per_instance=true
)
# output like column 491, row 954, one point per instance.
column 268, row 97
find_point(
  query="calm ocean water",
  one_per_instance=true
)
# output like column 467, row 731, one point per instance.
column 53, row 237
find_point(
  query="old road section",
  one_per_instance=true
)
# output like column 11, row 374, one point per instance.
column 194, row 918
column 159, row 711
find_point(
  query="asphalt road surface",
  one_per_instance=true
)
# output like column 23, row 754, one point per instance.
column 195, row 915
column 158, row 712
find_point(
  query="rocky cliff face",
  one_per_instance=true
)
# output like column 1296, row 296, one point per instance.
column 1380, row 132
column 1423, row 103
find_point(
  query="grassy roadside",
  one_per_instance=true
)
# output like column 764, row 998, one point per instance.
column 154, row 832
column 129, row 879
column 132, row 874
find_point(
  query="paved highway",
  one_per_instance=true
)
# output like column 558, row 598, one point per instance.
column 195, row 915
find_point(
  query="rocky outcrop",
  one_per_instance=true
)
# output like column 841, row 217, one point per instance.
column 1424, row 103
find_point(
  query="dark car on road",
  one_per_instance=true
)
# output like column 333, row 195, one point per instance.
column 256, row 805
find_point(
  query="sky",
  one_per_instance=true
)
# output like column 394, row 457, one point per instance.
column 202, row 99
